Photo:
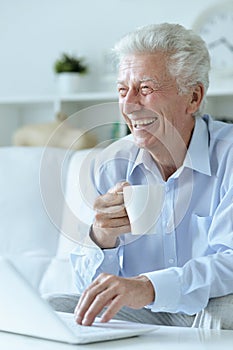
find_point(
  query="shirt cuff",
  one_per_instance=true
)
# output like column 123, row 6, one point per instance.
column 85, row 262
column 166, row 284
column 110, row 263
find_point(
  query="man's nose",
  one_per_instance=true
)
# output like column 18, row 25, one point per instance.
column 132, row 102
column 129, row 108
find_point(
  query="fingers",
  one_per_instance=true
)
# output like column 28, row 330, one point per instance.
column 108, row 199
column 111, row 212
column 97, row 305
column 100, row 294
column 111, row 219
column 109, row 206
column 82, row 306
column 110, row 209
column 113, row 292
column 112, row 202
column 118, row 188
column 115, row 305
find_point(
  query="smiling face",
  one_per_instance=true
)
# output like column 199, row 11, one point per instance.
column 157, row 115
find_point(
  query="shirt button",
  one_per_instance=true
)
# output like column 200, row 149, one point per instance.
column 169, row 229
column 171, row 261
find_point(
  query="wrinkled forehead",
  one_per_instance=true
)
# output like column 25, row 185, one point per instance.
column 143, row 66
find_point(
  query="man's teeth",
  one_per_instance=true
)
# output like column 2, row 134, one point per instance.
column 143, row 122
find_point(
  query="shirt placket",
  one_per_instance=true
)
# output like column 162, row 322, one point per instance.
column 169, row 234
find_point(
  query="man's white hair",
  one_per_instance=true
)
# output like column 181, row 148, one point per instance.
column 187, row 56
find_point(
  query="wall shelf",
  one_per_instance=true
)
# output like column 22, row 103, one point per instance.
column 220, row 87
column 83, row 96
column 16, row 111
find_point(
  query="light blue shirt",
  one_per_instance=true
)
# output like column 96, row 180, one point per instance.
column 189, row 259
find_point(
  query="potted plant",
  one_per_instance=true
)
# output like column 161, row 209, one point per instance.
column 68, row 69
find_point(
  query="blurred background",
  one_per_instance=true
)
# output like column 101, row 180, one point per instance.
column 34, row 34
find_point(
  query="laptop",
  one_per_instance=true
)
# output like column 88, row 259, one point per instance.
column 23, row 311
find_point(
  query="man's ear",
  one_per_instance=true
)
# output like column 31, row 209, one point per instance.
column 196, row 97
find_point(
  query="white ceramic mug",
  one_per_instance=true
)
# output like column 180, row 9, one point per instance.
column 143, row 204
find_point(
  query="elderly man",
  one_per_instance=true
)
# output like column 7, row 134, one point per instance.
column 183, row 274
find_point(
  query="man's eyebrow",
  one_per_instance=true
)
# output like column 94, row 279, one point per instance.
column 145, row 79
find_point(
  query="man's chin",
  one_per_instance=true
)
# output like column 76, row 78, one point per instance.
column 141, row 142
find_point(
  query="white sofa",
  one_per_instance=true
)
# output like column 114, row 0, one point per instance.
column 36, row 184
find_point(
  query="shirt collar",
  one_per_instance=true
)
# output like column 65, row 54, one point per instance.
column 144, row 157
column 197, row 157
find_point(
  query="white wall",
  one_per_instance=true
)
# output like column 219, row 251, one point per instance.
column 33, row 33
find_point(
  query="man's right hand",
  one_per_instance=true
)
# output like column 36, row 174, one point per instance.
column 111, row 219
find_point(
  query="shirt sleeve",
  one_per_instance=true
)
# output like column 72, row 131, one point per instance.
column 188, row 288
column 88, row 262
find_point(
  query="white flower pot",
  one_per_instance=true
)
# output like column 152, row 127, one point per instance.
column 68, row 83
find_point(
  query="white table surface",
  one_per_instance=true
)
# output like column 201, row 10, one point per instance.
column 165, row 338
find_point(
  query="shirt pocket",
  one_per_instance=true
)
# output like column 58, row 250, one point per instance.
column 200, row 228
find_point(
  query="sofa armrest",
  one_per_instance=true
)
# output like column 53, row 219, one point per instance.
column 58, row 277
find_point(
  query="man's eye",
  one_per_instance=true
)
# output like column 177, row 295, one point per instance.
column 146, row 90
column 122, row 91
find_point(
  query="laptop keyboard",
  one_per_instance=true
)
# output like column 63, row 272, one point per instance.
column 83, row 330
column 78, row 329
column 114, row 329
